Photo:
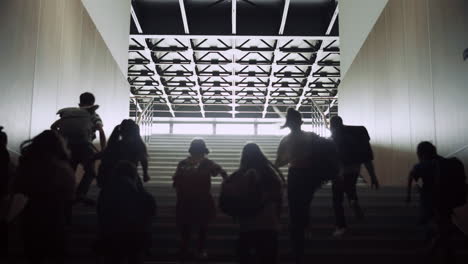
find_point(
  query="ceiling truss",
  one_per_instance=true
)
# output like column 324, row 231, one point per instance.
column 234, row 76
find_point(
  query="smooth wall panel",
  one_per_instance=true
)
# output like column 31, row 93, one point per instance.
column 416, row 85
column 69, row 73
column 381, row 108
column 418, row 66
column 88, row 52
column 54, row 53
column 357, row 18
column 448, row 40
column 400, row 127
column 113, row 24
column 19, row 20
column 48, row 65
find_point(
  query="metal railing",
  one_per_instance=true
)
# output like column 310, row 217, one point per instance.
column 319, row 121
column 144, row 119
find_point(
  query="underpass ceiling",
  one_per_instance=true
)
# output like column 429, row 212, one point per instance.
column 255, row 73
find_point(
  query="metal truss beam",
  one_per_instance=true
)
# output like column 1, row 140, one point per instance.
column 319, row 53
column 234, row 76
column 332, row 22
column 284, row 17
column 231, row 37
column 234, row 17
column 135, row 19
column 183, row 13
column 148, row 53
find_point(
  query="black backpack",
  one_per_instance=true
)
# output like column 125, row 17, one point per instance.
column 324, row 158
column 451, row 182
column 241, row 194
column 354, row 144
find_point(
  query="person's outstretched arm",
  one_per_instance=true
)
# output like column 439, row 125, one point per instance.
column 371, row 169
column 102, row 137
column 218, row 170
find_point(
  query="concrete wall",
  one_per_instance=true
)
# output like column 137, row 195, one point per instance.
column 112, row 20
column 409, row 83
column 356, row 19
column 51, row 52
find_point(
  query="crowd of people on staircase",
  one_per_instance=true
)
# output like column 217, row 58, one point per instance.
column 44, row 183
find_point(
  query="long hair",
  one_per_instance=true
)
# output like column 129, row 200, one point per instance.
column 47, row 145
column 130, row 132
column 124, row 143
column 127, row 131
column 38, row 156
column 253, row 158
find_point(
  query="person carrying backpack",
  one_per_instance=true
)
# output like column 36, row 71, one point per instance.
column 253, row 196
column 78, row 126
column 195, row 205
column 443, row 189
column 305, row 176
column 354, row 149
column 46, row 179
column 124, row 143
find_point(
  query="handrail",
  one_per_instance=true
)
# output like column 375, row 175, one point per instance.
column 458, row 151
column 145, row 121
column 321, row 115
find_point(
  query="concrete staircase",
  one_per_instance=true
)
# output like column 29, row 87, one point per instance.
column 166, row 151
column 389, row 233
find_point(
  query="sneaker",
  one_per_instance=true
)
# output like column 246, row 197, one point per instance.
column 357, row 210
column 339, row 232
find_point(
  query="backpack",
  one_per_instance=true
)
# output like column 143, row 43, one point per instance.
column 241, row 195
column 76, row 125
column 324, row 158
column 354, row 144
column 451, row 181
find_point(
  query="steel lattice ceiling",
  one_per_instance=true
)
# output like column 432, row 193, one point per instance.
column 234, row 76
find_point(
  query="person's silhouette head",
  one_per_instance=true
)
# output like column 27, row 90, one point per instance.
column 252, row 156
column 293, row 120
column 129, row 129
column 48, row 144
column 3, row 138
column 87, row 101
column 426, row 151
column 336, row 123
column 198, row 147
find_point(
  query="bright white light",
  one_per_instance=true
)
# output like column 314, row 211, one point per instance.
column 161, row 128
column 272, row 129
column 326, row 133
column 193, row 129
column 235, row 129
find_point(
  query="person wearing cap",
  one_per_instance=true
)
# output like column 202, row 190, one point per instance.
column 79, row 126
column 303, row 180
column 195, row 205
column 353, row 150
